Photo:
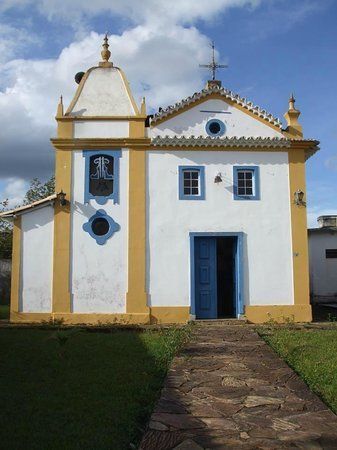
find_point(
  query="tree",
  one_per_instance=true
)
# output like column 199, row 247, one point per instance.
column 36, row 191
column 5, row 234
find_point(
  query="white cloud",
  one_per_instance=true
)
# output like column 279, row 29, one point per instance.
column 15, row 190
column 140, row 12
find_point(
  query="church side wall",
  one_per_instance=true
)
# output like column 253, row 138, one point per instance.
column 98, row 272
column 37, row 231
column 265, row 223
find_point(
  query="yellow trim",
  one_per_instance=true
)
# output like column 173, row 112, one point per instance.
column 75, row 318
column 98, row 118
column 169, row 314
column 136, row 297
column 216, row 96
column 127, row 85
column 299, row 228
column 136, row 129
column 279, row 313
column 16, row 267
column 64, row 129
column 79, row 144
column 62, row 230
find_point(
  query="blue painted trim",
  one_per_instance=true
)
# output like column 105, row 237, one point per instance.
column 220, row 123
column 113, row 227
column 101, row 200
column 239, row 275
column 201, row 170
column 256, row 182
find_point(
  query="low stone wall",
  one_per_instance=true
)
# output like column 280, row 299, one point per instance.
column 5, row 280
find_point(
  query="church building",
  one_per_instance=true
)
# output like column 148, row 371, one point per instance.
column 195, row 212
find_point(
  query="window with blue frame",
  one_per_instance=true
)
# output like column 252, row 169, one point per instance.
column 246, row 183
column 191, row 183
column 101, row 175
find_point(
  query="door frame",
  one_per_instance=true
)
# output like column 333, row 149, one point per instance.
column 239, row 291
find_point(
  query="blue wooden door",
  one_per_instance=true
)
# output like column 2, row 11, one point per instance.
column 205, row 278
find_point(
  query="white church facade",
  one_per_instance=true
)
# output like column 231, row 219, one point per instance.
column 195, row 212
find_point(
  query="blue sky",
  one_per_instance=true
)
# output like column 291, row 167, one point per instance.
column 273, row 48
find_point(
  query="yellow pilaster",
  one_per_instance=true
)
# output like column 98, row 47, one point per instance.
column 16, row 266
column 136, row 298
column 299, row 229
column 62, row 224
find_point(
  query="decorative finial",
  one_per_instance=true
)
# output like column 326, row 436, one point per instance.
column 291, row 116
column 59, row 112
column 213, row 66
column 292, row 102
column 105, row 53
column 143, row 107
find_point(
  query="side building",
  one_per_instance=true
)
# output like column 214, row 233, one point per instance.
column 323, row 260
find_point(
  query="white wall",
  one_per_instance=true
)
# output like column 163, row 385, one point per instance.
column 104, row 94
column 323, row 271
column 266, row 224
column 98, row 272
column 193, row 122
column 101, row 129
column 37, row 260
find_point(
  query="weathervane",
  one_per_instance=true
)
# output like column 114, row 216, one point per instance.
column 213, row 65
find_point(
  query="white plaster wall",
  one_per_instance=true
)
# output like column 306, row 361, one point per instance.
column 323, row 271
column 104, row 94
column 265, row 223
column 193, row 121
column 37, row 260
column 101, row 129
column 98, row 272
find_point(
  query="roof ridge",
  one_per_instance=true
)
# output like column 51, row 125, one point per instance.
column 242, row 101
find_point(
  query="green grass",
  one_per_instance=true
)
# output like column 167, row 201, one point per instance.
column 313, row 355
column 83, row 390
column 4, row 312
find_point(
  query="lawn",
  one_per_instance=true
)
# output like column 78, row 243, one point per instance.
column 312, row 354
column 94, row 392
column 4, row 312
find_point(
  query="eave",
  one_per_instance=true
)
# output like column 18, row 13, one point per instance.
column 27, row 208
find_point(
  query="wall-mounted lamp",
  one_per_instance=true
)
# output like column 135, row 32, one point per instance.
column 62, row 197
column 218, row 178
column 298, row 198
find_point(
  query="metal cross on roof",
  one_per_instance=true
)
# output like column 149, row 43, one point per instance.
column 213, row 65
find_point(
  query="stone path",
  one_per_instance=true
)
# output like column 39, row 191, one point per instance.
column 228, row 389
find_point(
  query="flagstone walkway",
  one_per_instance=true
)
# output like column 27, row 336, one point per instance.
column 228, row 389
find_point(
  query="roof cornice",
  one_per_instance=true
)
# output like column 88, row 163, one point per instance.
column 201, row 141
column 223, row 92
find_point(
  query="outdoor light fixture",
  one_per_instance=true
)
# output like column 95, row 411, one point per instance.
column 62, row 197
column 298, row 198
column 218, row 178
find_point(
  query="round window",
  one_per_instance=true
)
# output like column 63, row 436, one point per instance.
column 100, row 226
column 215, row 127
